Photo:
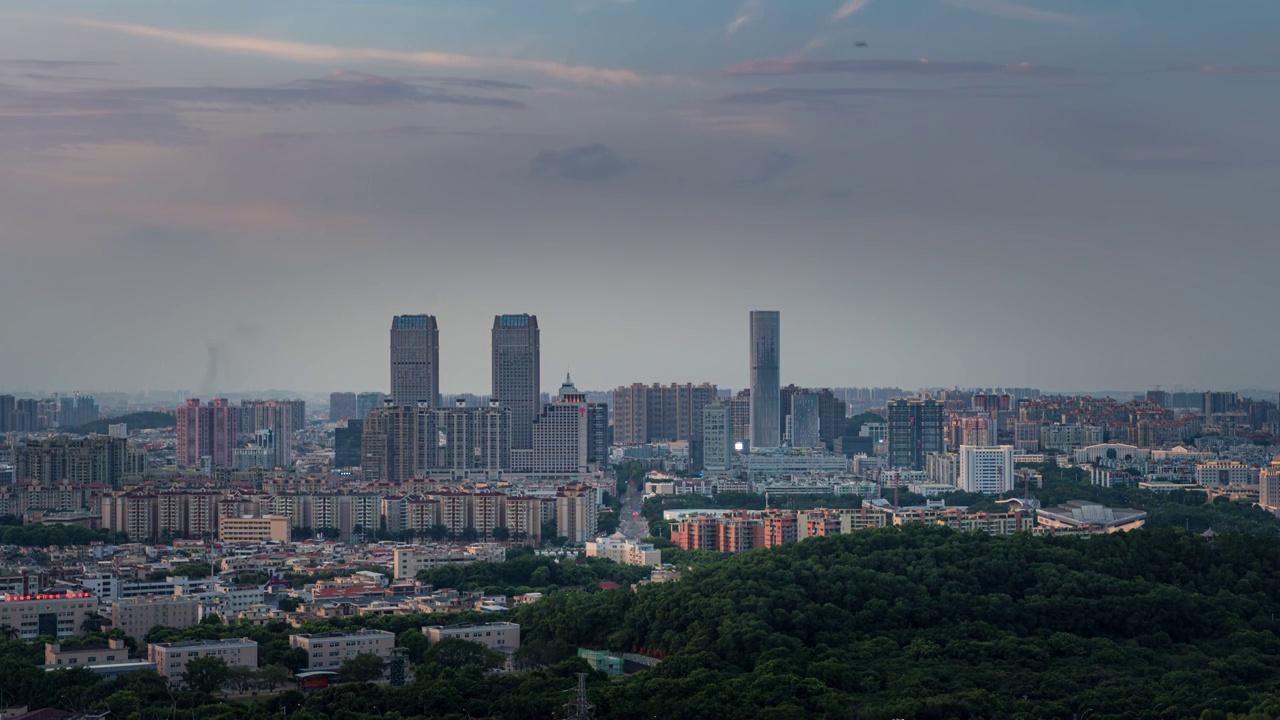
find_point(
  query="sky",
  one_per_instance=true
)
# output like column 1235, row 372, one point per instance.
column 229, row 195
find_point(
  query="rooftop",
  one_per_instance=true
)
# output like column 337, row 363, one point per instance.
column 206, row 643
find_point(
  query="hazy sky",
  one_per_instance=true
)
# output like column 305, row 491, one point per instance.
column 227, row 195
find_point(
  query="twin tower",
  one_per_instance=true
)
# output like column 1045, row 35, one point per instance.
column 516, row 367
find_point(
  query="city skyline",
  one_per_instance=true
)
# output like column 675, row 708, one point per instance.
column 266, row 183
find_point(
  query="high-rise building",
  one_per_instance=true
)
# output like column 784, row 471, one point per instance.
column 740, row 409
column 346, row 444
column 367, row 402
column 914, row 431
column 645, row 414
column 568, row 436
column 1269, row 487
column 206, row 431
column 95, row 459
column 987, row 470
column 577, row 512
column 766, row 413
column 461, row 438
column 717, row 437
column 342, row 406
column 517, row 373
column 389, row 444
column 415, row 360
column 8, row 404
column 278, row 416
column 804, row 421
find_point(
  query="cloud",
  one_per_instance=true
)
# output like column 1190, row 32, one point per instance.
column 332, row 54
column 1226, row 69
column 923, row 66
column 815, row 98
column 848, row 8
column 748, row 12
column 1147, row 144
column 53, row 64
column 1012, row 9
column 773, row 165
column 21, row 131
column 342, row 88
column 585, row 163
column 737, row 123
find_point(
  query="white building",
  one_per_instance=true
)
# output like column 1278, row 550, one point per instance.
column 986, row 470
column 717, row 437
column 1117, row 451
column 617, row 548
column 171, row 658
column 327, row 651
column 501, row 636
column 774, row 464
column 118, row 430
column 943, row 468
column 1221, row 473
column 1069, row 437
column 1269, row 487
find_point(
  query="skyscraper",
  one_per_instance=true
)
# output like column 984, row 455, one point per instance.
column 765, row 379
column 717, row 437
column 415, row 360
column 659, row 413
column 342, row 406
column 804, row 421
column 8, row 404
column 367, row 402
column 207, row 431
column 517, row 373
column 915, row 431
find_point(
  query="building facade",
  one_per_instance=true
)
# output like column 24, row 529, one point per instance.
column 327, row 651
column 342, row 406
column 987, row 470
column 914, row 431
column 415, row 360
column 766, row 379
column 171, row 659
column 644, row 414
column 517, row 373
column 717, row 437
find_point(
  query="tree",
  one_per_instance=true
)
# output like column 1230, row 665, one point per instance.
column 206, row 674
column 549, row 530
column 272, row 676
column 501, row 533
column 364, row 667
column 437, row 532
column 457, row 654
column 241, row 677
column 289, row 604
column 93, row 623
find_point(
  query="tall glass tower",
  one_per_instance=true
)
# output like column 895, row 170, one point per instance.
column 765, row 379
column 517, row 373
column 415, row 360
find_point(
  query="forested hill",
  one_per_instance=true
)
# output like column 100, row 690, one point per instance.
column 924, row 622
column 135, row 421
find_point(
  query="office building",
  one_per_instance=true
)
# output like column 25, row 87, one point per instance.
column 577, row 509
column 1269, row 487
column 569, row 436
column 346, row 444
column 8, row 405
column 987, row 470
column 269, row 528
column 644, row 414
column 56, row 656
column 717, row 437
column 415, row 360
column 517, row 373
column 171, row 659
column 501, row 636
column 55, row 613
column 136, row 616
column 328, row 650
column 367, row 402
column 207, row 431
column 342, row 406
column 740, row 412
column 914, row 431
column 804, row 421
column 766, row 413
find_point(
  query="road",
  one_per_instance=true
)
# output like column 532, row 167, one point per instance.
column 635, row 528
